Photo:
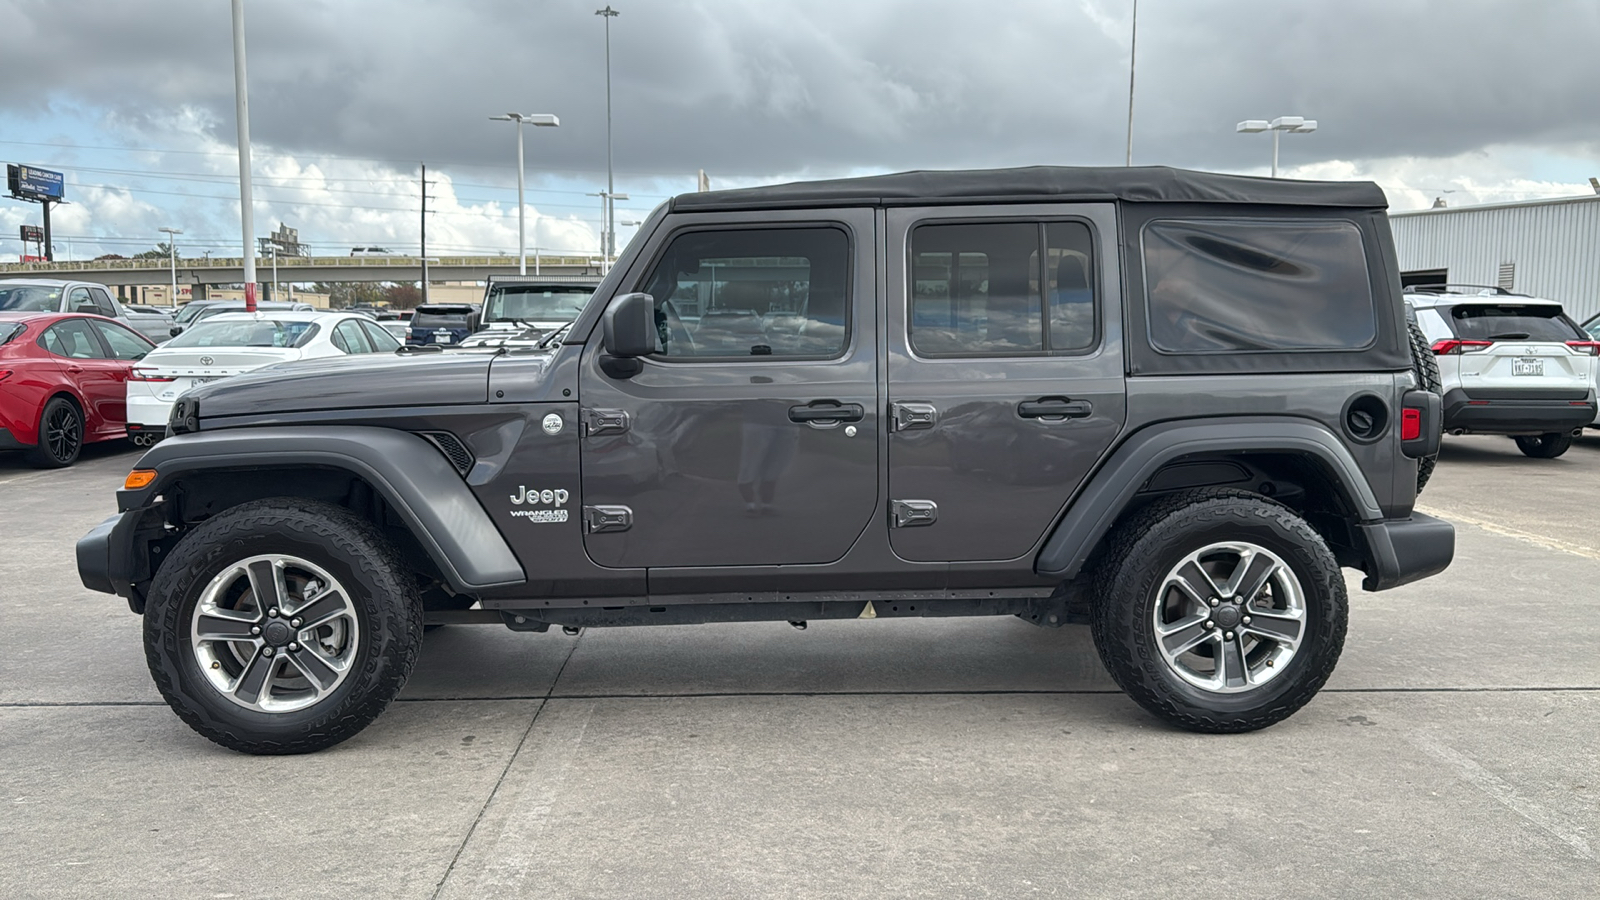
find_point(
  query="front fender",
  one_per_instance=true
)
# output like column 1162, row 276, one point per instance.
column 408, row 472
column 1113, row 487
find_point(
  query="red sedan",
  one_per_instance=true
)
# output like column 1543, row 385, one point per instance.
column 63, row 382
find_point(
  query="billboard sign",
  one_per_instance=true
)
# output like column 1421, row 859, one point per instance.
column 32, row 183
column 32, row 234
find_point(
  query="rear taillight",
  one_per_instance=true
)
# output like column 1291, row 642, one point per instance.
column 1591, row 348
column 137, row 375
column 1410, row 424
column 1454, row 347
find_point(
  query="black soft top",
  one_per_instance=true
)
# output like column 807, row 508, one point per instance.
column 1144, row 184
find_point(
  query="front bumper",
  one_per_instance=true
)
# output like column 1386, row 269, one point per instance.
column 1407, row 550
column 105, row 558
column 1528, row 414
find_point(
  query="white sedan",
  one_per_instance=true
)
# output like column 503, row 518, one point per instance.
column 231, row 343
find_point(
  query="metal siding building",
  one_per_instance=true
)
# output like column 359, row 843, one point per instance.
column 1553, row 247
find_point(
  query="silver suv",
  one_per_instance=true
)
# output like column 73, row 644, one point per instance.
column 1509, row 364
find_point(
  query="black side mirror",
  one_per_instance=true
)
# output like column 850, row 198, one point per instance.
column 89, row 309
column 175, row 330
column 630, row 326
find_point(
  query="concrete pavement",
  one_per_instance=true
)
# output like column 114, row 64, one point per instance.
column 1453, row 754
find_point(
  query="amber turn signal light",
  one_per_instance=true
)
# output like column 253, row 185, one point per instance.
column 139, row 478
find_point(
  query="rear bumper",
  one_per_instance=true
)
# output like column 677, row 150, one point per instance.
column 148, row 414
column 1407, row 550
column 1522, row 415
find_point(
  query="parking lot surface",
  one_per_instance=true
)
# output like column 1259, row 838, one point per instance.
column 1456, row 751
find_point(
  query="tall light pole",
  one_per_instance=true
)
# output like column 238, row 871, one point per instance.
column 608, row 246
column 172, row 257
column 1133, row 55
column 1291, row 124
column 608, row 213
column 241, row 109
column 543, row 121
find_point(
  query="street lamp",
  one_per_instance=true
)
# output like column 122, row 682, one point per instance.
column 608, row 246
column 1291, row 124
column 172, row 256
column 543, row 121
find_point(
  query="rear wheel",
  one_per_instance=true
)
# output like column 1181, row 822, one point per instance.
column 282, row 626
column 1219, row 611
column 1544, row 446
column 60, row 435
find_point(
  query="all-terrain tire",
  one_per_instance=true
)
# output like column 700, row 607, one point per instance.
column 1128, row 585
column 1426, row 367
column 1544, row 446
column 382, row 595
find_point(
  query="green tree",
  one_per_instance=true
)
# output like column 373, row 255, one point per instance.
column 160, row 252
column 402, row 295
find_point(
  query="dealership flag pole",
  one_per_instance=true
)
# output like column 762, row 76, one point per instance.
column 242, row 112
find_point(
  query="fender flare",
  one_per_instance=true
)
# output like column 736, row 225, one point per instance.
column 1119, row 479
column 410, row 474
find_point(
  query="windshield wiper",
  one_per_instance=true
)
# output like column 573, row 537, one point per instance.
column 1509, row 336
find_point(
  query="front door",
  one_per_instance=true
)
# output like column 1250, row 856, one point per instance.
column 1005, row 373
column 750, row 437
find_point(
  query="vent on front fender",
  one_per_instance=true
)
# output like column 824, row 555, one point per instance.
column 452, row 448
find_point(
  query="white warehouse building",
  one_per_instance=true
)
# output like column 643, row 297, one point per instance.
column 1546, row 248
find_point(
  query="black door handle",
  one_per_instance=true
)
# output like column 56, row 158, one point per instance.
column 1055, row 408
column 827, row 411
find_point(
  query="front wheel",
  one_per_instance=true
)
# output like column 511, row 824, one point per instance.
column 1544, row 446
column 1219, row 611
column 282, row 626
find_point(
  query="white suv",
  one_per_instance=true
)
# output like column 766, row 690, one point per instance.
column 1509, row 364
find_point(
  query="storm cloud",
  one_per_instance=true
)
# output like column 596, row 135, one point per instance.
column 748, row 89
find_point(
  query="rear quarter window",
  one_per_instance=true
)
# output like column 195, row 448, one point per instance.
column 1265, row 285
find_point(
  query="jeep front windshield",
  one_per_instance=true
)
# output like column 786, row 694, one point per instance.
column 535, row 303
column 30, row 299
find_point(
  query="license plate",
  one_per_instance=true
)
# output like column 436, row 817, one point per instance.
column 441, row 337
column 1527, row 367
column 203, row 379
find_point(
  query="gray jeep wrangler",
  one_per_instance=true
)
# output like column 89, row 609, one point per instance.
column 1168, row 404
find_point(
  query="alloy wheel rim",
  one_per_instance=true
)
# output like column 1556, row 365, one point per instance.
column 275, row 633
column 1229, row 617
column 61, row 432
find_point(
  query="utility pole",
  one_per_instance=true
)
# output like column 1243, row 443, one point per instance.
column 425, row 183
column 608, row 247
column 241, row 107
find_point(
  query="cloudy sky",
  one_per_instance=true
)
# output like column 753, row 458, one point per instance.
column 1474, row 101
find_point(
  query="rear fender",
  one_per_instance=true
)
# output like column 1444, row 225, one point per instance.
column 1115, row 486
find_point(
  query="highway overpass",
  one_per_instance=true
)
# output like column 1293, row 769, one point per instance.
column 298, row 269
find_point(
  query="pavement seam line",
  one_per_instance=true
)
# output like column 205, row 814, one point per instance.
column 1503, row 793
column 1549, row 543
column 489, row 800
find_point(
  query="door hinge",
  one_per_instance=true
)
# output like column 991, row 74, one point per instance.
column 912, row 416
column 914, row 513
column 597, row 519
column 604, row 421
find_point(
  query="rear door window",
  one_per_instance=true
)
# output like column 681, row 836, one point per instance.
column 1240, row 285
column 1511, row 322
column 72, row 338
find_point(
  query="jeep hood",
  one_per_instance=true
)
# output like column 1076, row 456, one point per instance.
column 350, row 382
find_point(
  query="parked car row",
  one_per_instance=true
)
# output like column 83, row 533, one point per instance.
column 67, row 379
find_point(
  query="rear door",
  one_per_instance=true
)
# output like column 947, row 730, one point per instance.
column 1005, row 373
column 101, row 379
column 750, row 438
